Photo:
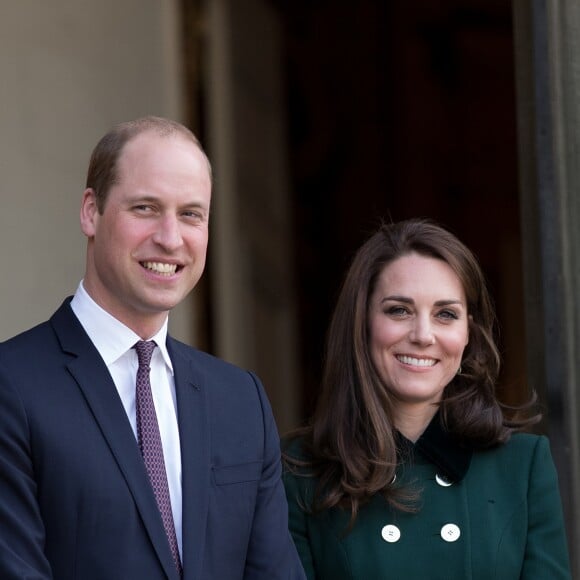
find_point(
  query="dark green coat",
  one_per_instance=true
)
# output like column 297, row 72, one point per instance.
column 501, row 519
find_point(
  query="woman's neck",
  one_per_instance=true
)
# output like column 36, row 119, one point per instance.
column 412, row 420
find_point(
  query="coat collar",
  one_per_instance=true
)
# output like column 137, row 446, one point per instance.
column 441, row 449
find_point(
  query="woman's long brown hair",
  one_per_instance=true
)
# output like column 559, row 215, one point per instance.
column 349, row 445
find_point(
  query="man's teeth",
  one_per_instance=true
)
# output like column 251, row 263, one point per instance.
column 161, row 268
column 417, row 362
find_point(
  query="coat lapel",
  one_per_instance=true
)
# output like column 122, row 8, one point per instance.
column 195, row 454
column 94, row 380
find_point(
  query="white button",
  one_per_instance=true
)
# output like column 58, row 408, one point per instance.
column 450, row 532
column 391, row 533
column 443, row 481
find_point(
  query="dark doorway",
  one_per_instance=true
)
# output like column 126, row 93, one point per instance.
column 401, row 109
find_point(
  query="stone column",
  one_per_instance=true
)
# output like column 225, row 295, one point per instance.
column 547, row 51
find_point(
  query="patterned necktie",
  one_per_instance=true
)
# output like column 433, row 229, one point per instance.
column 150, row 444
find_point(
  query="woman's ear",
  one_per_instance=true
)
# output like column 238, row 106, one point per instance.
column 470, row 319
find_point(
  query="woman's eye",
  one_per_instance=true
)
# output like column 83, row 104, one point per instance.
column 397, row 310
column 448, row 315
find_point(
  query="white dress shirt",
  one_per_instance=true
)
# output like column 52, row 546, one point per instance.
column 115, row 341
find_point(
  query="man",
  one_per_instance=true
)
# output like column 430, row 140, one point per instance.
column 113, row 466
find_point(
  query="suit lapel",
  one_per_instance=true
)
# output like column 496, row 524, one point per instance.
column 195, row 454
column 94, row 380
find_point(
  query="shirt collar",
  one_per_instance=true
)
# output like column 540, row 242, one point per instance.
column 110, row 336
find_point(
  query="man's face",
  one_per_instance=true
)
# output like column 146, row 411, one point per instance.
column 147, row 250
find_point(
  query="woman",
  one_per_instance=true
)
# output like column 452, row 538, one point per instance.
column 409, row 468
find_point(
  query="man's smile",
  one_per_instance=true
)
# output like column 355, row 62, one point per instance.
column 161, row 267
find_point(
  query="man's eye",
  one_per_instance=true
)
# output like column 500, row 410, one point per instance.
column 194, row 215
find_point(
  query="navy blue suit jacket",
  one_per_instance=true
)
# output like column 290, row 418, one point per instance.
column 75, row 500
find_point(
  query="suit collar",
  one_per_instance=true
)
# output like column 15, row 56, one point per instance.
column 93, row 378
column 193, row 412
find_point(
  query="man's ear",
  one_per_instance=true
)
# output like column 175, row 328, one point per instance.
column 89, row 213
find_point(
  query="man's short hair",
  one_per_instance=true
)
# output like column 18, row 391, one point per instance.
column 103, row 166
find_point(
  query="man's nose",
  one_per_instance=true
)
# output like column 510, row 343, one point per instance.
column 168, row 233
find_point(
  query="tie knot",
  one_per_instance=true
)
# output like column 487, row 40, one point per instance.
column 144, row 350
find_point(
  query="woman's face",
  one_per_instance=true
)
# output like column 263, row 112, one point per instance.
column 418, row 324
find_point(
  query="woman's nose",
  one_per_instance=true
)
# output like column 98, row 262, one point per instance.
column 422, row 332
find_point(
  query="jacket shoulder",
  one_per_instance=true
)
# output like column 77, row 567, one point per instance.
column 294, row 446
column 201, row 359
column 524, row 446
column 25, row 339
column 228, row 387
column 521, row 459
column 297, row 473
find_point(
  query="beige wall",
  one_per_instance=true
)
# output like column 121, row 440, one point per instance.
column 69, row 71
column 252, row 264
